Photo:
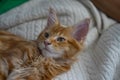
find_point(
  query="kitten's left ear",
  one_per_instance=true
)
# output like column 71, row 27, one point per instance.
column 52, row 18
column 80, row 30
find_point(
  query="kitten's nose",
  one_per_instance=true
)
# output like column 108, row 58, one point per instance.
column 46, row 43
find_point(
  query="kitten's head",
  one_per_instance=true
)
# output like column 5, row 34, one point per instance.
column 58, row 41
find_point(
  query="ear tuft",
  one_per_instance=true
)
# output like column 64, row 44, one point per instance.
column 80, row 30
column 52, row 17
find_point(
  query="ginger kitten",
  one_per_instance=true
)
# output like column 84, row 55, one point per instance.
column 51, row 54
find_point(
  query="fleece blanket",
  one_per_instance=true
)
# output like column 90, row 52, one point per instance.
column 6, row 5
column 100, row 59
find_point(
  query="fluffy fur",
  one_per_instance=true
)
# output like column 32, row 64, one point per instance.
column 51, row 54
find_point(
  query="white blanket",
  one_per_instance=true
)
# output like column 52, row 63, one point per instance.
column 101, row 58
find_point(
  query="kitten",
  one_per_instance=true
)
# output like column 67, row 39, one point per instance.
column 51, row 54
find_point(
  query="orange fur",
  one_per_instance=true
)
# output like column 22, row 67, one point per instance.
column 22, row 59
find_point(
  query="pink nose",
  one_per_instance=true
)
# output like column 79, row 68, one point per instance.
column 46, row 43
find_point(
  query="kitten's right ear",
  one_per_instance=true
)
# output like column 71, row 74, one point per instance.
column 80, row 30
column 52, row 18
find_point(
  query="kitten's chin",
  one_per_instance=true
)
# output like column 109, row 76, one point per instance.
column 49, row 54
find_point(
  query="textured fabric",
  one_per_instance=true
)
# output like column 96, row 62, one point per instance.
column 99, row 60
column 102, row 22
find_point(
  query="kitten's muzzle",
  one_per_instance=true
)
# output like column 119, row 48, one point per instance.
column 47, row 43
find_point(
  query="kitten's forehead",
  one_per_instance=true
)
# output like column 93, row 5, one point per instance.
column 60, row 30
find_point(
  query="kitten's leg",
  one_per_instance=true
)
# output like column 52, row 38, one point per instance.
column 19, row 74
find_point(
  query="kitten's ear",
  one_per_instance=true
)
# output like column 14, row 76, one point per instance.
column 80, row 30
column 52, row 18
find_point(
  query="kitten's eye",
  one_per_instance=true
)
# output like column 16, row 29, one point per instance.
column 46, row 35
column 60, row 39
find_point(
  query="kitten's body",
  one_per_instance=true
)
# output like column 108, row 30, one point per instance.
column 51, row 54
column 21, row 57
